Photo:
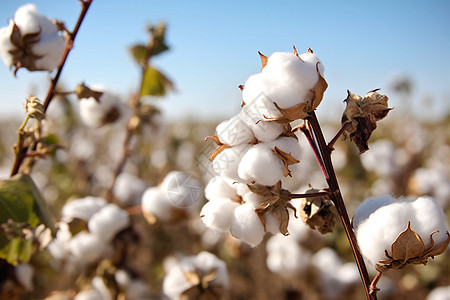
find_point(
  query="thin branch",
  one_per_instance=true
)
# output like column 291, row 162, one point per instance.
column 338, row 135
column 373, row 285
column 310, row 195
column 338, row 201
column 21, row 152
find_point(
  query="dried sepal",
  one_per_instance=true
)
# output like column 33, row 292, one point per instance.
column 362, row 114
column 409, row 248
column 287, row 159
column 318, row 90
column 264, row 60
column 318, row 213
column 219, row 149
column 202, row 286
column 275, row 201
column 84, row 92
column 296, row 54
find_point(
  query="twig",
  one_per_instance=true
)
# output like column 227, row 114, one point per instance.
column 309, row 195
column 20, row 151
column 373, row 285
column 338, row 201
column 338, row 135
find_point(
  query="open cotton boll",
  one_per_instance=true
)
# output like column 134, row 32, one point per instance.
column 129, row 189
column 285, row 256
column 88, row 248
column 226, row 163
column 175, row 283
column 220, row 187
column 106, row 223
column 439, row 293
column 24, row 274
column 261, row 165
column 218, row 214
column 205, row 261
column 82, row 208
column 369, row 206
column 95, row 113
column 246, row 225
column 26, row 18
column 155, row 202
column 234, row 132
column 378, row 232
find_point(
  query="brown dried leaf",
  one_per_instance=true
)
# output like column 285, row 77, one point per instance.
column 439, row 249
column 264, row 60
column 299, row 111
column 318, row 213
column 84, row 92
column 192, row 277
column 296, row 54
column 208, row 277
column 318, row 90
column 287, row 159
column 407, row 245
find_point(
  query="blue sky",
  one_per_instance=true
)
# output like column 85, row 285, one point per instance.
column 214, row 45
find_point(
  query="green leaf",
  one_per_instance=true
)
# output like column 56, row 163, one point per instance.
column 154, row 83
column 139, row 53
column 21, row 201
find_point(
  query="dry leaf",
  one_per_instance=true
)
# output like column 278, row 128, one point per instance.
column 264, row 60
column 275, row 201
column 287, row 159
column 363, row 113
column 318, row 213
column 409, row 248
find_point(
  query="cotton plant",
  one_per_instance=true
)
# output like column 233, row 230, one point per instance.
column 86, row 230
column 32, row 41
column 203, row 276
column 393, row 233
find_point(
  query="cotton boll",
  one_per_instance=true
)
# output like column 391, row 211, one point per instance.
column 369, row 206
column 439, row 293
column 234, row 132
column 266, row 131
column 219, row 187
column 129, row 189
column 261, row 165
column 106, row 223
column 312, row 59
column 218, row 214
column 226, row 163
column 206, row 262
column 51, row 48
column 175, row 283
column 24, row 274
column 285, row 256
column 82, row 208
column 246, row 225
column 272, row 224
column 156, row 202
column 88, row 248
column 381, row 158
column 26, row 18
column 288, row 145
column 95, row 113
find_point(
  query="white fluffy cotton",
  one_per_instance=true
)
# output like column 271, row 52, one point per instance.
column 82, row 208
column 246, row 225
column 182, row 189
column 218, row 214
column 94, row 113
column 234, row 132
column 24, row 274
column 175, row 282
column 261, row 165
column 107, row 222
column 51, row 43
column 88, row 248
column 220, row 187
column 129, row 189
column 439, row 293
column 226, row 163
column 380, row 221
column 156, row 202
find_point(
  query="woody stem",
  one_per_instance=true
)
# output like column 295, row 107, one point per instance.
column 309, row 195
column 336, row 197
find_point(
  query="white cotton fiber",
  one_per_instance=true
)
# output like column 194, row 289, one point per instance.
column 129, row 189
column 218, row 214
column 219, row 187
column 261, row 165
column 234, row 132
column 93, row 112
column 227, row 162
column 87, row 248
column 380, row 229
column 156, row 202
column 82, row 208
column 246, row 225
column 108, row 222
column 288, row 145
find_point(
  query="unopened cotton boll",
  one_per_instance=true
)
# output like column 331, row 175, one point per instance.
column 380, row 229
column 226, row 163
column 155, row 202
column 234, row 132
column 106, row 223
column 82, row 208
column 261, row 165
column 218, row 214
column 246, row 225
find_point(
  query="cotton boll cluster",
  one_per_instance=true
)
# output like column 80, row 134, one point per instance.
column 382, row 222
column 194, row 276
column 31, row 41
column 176, row 196
column 103, row 108
column 98, row 223
column 335, row 275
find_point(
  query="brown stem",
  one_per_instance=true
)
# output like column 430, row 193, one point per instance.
column 338, row 201
column 338, row 135
column 307, row 132
column 309, row 195
column 51, row 91
column 373, row 285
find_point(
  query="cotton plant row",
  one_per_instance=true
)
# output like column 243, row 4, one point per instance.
column 257, row 147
